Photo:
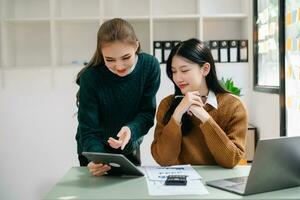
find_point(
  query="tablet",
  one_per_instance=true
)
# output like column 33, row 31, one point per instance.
column 120, row 165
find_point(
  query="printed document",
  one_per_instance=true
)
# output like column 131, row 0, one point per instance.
column 156, row 177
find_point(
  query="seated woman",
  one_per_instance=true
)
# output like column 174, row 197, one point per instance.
column 202, row 123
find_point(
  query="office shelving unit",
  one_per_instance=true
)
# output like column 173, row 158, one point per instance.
column 56, row 33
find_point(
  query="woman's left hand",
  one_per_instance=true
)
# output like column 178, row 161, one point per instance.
column 199, row 112
column 124, row 136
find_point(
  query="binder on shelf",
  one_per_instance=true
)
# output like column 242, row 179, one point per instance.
column 233, row 51
column 158, row 51
column 175, row 42
column 167, row 47
column 243, row 50
column 214, row 48
column 224, row 55
column 206, row 43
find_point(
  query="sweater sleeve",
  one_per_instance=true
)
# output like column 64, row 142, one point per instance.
column 227, row 147
column 166, row 145
column 90, row 131
column 143, row 121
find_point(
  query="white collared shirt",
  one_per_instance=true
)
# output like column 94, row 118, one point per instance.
column 132, row 68
column 212, row 99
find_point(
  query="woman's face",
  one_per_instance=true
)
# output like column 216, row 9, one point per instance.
column 119, row 57
column 189, row 76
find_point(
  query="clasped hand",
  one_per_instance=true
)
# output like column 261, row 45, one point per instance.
column 193, row 105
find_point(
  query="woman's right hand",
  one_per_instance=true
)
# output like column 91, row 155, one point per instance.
column 98, row 169
column 190, row 98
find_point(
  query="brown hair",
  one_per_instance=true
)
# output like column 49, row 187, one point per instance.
column 110, row 31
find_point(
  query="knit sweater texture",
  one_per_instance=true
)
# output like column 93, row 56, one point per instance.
column 218, row 141
column 107, row 102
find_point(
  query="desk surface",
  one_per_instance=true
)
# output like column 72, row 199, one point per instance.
column 79, row 184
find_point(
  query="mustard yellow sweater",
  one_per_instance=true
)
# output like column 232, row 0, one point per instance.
column 220, row 140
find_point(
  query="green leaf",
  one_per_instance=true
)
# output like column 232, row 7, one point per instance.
column 228, row 84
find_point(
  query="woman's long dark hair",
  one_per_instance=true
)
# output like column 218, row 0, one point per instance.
column 197, row 52
column 110, row 31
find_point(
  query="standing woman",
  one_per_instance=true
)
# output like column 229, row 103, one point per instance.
column 116, row 97
column 201, row 124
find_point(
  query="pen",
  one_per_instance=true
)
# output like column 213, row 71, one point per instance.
column 178, row 96
column 181, row 96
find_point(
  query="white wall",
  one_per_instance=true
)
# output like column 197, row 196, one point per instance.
column 265, row 114
column 37, row 131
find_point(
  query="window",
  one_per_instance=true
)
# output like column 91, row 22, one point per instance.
column 267, row 47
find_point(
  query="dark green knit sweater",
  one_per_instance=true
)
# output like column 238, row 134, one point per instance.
column 108, row 102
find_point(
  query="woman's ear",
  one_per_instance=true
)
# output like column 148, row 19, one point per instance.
column 206, row 69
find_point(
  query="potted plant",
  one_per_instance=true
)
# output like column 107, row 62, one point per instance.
column 229, row 85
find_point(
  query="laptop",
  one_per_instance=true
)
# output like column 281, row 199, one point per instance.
column 120, row 165
column 276, row 165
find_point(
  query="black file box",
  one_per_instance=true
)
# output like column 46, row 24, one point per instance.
column 175, row 42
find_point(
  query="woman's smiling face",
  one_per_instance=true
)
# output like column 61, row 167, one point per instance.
column 119, row 57
column 187, row 75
